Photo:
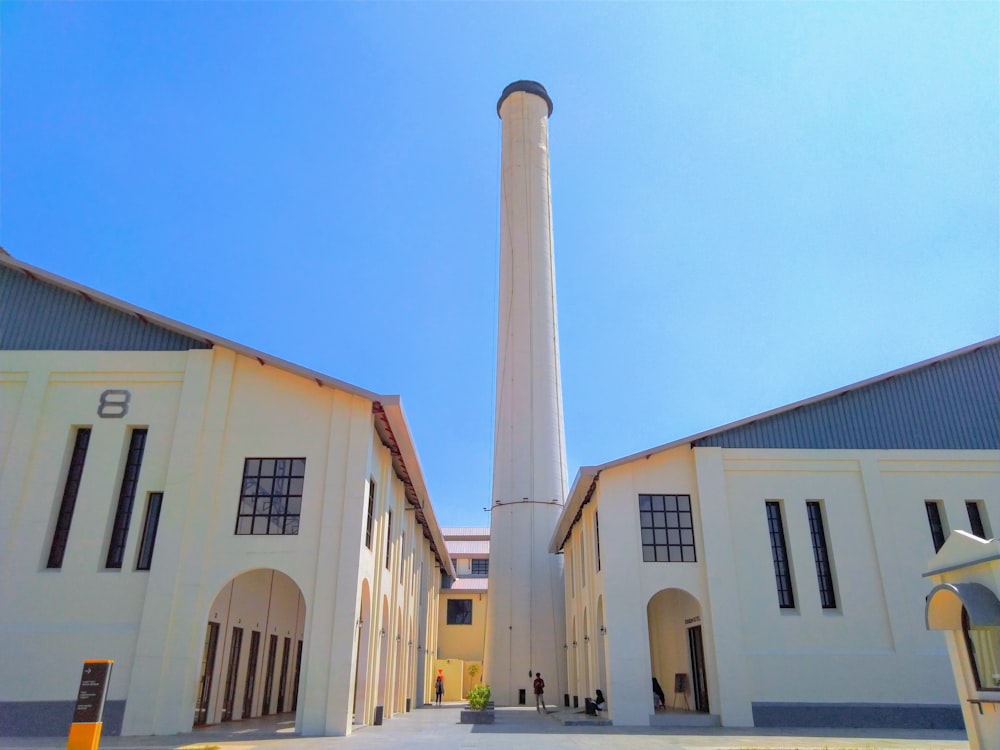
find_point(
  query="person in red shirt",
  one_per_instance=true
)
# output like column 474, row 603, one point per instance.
column 540, row 693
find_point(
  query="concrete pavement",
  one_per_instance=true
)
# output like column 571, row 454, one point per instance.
column 438, row 728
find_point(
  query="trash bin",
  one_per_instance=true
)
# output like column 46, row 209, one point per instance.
column 378, row 716
column 521, row 696
column 566, row 700
column 407, row 705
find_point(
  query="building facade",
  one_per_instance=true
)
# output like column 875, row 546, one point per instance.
column 461, row 643
column 240, row 535
column 769, row 572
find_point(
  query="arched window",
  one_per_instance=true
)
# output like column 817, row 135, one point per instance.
column 983, row 644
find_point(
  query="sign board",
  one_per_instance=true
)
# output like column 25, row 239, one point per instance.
column 93, row 691
column 680, row 682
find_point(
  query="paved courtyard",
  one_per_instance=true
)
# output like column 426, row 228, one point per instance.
column 438, row 728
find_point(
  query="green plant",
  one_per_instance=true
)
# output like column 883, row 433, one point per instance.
column 479, row 696
column 473, row 670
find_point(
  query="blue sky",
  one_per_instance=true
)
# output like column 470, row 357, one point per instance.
column 753, row 203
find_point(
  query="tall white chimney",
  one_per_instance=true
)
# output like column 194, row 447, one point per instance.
column 525, row 628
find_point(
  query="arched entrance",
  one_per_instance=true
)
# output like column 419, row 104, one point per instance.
column 361, row 656
column 601, row 644
column 676, row 651
column 252, row 656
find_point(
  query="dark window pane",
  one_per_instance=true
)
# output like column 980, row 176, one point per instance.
column 644, row 502
column 657, row 502
column 667, row 535
column 671, row 502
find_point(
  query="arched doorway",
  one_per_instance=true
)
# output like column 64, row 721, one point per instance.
column 601, row 645
column 676, row 651
column 362, row 650
column 252, row 656
column 383, row 655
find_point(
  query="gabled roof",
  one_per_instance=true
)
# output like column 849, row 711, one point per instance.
column 950, row 402
column 40, row 310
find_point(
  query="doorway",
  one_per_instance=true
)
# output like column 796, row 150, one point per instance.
column 699, row 685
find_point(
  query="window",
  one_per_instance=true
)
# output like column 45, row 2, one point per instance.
column 983, row 644
column 824, row 572
column 370, row 523
column 934, row 518
column 271, row 498
column 480, row 567
column 597, row 540
column 70, row 489
column 153, row 504
column 460, row 611
column 976, row 523
column 388, row 539
column 126, row 499
column 779, row 555
column 667, row 529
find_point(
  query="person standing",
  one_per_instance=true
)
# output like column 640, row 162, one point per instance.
column 439, row 688
column 540, row 693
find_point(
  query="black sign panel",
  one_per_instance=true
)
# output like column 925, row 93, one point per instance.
column 680, row 682
column 93, row 691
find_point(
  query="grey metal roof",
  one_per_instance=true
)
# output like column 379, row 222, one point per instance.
column 35, row 315
column 948, row 403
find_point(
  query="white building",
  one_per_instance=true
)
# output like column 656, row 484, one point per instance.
column 775, row 563
column 241, row 535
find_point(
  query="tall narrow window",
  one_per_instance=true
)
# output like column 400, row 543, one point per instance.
column 402, row 554
column 936, row 522
column 251, row 674
column 153, row 504
column 388, row 539
column 779, row 555
column 234, row 666
column 824, row 571
column 207, row 668
column 597, row 540
column 272, row 653
column 298, row 673
column 126, row 498
column 370, row 523
column 976, row 525
column 70, row 489
column 287, row 644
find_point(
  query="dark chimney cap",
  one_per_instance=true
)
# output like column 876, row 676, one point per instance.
column 528, row 87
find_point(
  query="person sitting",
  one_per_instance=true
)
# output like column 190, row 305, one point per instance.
column 595, row 704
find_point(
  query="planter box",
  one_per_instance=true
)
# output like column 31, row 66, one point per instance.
column 477, row 717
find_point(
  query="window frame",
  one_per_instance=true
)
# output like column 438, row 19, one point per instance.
column 67, row 505
column 648, row 522
column 821, row 554
column 783, row 579
column 126, row 498
column 937, row 522
column 480, row 561
column 971, row 653
column 452, row 618
column 255, row 471
column 150, row 523
column 370, row 522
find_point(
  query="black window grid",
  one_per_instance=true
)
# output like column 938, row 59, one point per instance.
column 460, row 611
column 975, row 519
column 824, row 570
column 388, row 539
column 271, row 496
column 71, row 489
column 149, row 526
column 667, row 528
column 480, row 567
column 126, row 498
column 779, row 555
column 370, row 522
column 936, row 524
column 597, row 541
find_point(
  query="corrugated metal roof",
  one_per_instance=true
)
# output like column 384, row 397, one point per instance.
column 466, row 532
column 466, row 547
column 469, row 584
column 35, row 315
column 949, row 404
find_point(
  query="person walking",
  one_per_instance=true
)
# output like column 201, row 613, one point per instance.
column 540, row 693
column 439, row 688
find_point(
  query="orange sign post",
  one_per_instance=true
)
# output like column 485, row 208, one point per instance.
column 85, row 731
